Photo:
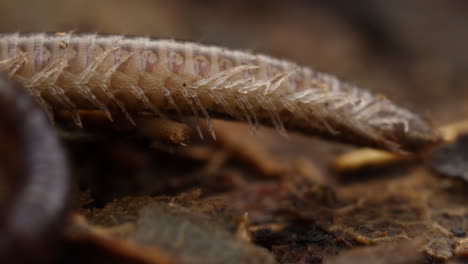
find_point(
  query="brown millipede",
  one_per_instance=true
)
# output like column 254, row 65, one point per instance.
column 134, row 75
column 34, row 168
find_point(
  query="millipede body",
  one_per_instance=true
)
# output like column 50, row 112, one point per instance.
column 134, row 75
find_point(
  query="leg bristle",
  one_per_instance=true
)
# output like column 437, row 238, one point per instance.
column 17, row 62
column 188, row 97
column 77, row 118
column 246, row 115
column 205, row 113
column 280, row 79
column 168, row 95
column 44, row 105
column 59, row 94
column 86, row 93
column 90, row 70
column 269, row 107
column 111, row 96
column 255, row 123
column 140, row 95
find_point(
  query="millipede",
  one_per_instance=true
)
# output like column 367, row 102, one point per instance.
column 166, row 78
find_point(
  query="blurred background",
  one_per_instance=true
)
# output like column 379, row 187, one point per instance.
column 411, row 51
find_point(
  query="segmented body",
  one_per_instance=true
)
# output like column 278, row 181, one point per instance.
column 135, row 75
